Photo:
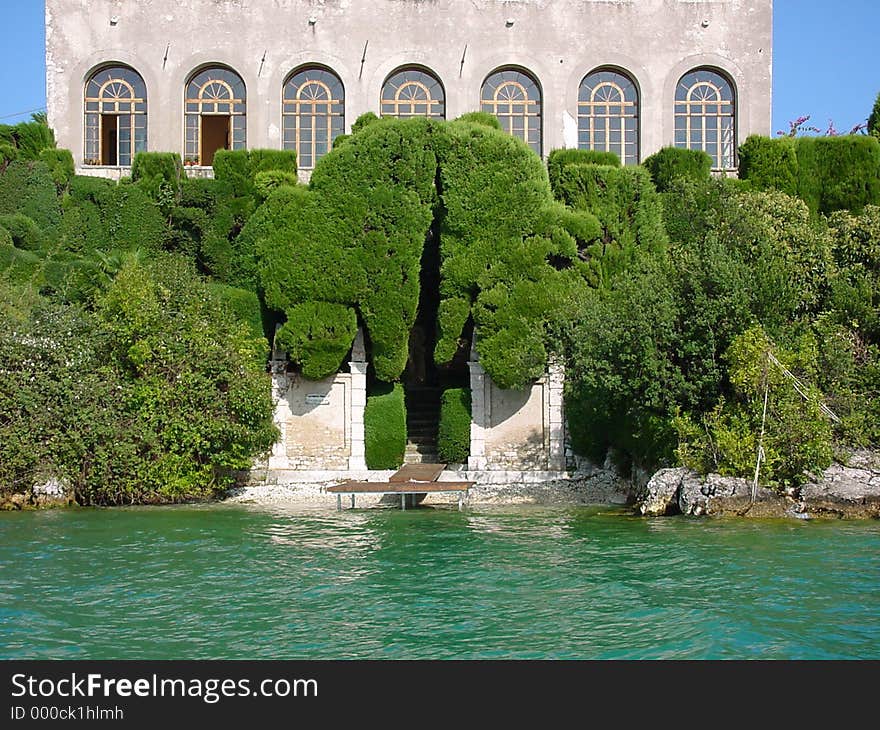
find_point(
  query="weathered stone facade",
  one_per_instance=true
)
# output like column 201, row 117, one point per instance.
column 517, row 429
column 363, row 42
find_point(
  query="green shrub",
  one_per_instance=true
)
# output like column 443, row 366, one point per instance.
column 454, row 434
column 153, row 168
column 90, row 189
column 28, row 188
column 797, row 437
column 770, row 164
column 24, row 232
column 628, row 209
column 850, row 170
column 154, row 397
column 355, row 238
column 60, row 164
column 874, row 119
column 264, row 160
column 245, row 306
column 673, row 162
column 18, row 265
column 267, row 181
column 31, row 138
column 364, row 121
column 132, row 219
column 559, row 159
column 385, row 426
column 484, row 118
column 5, row 237
column 318, row 335
column 233, row 167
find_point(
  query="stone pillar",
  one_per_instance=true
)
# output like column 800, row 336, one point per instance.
column 358, row 367
column 480, row 417
column 556, row 420
column 280, row 384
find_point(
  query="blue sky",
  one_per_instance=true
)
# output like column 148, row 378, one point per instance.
column 825, row 62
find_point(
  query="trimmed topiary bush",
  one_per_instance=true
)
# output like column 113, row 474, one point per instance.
column 454, row 434
column 355, row 237
column 151, row 169
column 364, row 121
column 28, row 188
column 674, row 162
column 60, row 164
column 628, row 208
column 385, row 426
column 267, row 181
column 24, row 232
column 18, row 265
column 827, row 173
column 850, row 170
column 484, row 118
column 318, row 335
column 559, row 159
column 132, row 219
column 770, row 164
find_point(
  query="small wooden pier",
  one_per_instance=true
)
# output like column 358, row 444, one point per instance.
column 411, row 479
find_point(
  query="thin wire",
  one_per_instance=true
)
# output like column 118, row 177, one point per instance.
column 21, row 114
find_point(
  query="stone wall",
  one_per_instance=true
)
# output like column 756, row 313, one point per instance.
column 364, row 41
column 321, row 422
column 517, row 430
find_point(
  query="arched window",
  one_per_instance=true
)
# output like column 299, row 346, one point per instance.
column 116, row 116
column 705, row 113
column 313, row 114
column 514, row 98
column 608, row 115
column 412, row 92
column 216, row 114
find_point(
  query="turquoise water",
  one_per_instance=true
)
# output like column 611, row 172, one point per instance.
column 240, row 582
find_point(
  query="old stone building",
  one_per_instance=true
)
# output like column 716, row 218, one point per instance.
column 195, row 76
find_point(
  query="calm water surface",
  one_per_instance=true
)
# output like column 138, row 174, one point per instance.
column 239, row 582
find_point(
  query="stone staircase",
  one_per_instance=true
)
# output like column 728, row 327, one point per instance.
column 422, row 419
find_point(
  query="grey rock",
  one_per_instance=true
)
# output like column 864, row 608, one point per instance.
column 719, row 496
column 851, row 491
column 660, row 496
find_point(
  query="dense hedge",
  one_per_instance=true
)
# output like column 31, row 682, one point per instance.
column 770, row 164
column 627, row 207
column 153, row 394
column 385, row 426
column 560, row 159
column 152, row 169
column 28, row 188
column 60, row 164
column 827, row 173
column 454, row 434
column 24, row 232
column 484, row 118
column 319, row 335
column 245, row 307
column 671, row 163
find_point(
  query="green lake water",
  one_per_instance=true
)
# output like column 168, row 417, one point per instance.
column 241, row 582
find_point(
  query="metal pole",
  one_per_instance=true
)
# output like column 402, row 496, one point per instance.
column 339, row 503
column 352, row 501
column 403, row 502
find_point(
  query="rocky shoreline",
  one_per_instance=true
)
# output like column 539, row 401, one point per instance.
column 843, row 491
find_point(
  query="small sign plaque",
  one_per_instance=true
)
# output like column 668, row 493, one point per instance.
column 318, row 399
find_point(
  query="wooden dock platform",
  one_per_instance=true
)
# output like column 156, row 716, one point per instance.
column 411, row 479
